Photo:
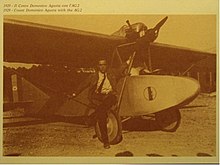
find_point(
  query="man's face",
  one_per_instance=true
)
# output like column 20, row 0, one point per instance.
column 102, row 66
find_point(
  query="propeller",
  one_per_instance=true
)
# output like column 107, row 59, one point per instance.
column 151, row 36
column 144, row 39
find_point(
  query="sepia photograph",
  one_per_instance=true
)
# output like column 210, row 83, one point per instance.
column 109, row 85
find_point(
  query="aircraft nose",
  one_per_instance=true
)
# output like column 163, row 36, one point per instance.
column 188, row 92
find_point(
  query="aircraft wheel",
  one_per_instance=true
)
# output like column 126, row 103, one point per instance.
column 168, row 120
column 114, row 128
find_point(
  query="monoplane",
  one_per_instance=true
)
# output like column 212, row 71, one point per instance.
column 146, row 90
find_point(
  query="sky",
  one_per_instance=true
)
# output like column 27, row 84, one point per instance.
column 191, row 31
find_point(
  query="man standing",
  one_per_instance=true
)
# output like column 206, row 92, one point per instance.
column 102, row 89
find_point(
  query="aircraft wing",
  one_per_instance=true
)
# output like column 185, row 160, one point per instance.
column 171, row 58
column 42, row 44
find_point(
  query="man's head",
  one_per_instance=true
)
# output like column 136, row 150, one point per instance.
column 102, row 65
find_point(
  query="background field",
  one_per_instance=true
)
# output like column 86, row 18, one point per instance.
column 196, row 136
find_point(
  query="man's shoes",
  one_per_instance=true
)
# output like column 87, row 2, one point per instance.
column 106, row 145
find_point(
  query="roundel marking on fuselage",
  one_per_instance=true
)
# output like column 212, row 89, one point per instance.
column 150, row 93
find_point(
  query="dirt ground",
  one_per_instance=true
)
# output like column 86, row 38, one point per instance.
column 196, row 135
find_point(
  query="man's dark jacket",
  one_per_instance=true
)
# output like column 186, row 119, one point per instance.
column 113, row 76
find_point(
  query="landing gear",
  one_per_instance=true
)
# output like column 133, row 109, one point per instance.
column 114, row 128
column 168, row 120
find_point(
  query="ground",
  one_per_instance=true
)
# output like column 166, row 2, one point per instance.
column 196, row 135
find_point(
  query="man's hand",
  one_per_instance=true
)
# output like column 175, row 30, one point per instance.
column 73, row 95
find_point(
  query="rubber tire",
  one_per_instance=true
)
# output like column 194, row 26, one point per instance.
column 114, row 128
column 168, row 120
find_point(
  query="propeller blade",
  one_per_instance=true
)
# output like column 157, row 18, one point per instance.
column 129, row 25
column 158, row 26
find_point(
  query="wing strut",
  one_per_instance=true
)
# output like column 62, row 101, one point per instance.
column 188, row 69
column 124, row 82
column 149, row 59
column 116, row 52
column 113, row 56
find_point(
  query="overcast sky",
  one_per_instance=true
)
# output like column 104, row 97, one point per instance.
column 190, row 31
